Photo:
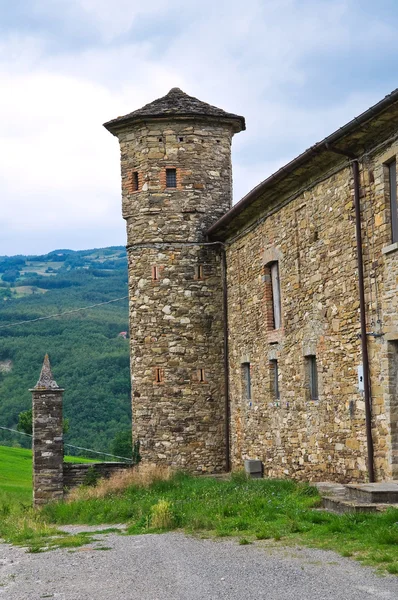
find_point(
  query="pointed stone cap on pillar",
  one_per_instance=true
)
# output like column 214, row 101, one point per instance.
column 46, row 379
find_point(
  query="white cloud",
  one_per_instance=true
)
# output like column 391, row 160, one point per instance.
column 59, row 169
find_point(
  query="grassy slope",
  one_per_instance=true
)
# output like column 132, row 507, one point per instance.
column 16, row 473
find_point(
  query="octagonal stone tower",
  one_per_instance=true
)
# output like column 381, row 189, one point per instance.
column 176, row 182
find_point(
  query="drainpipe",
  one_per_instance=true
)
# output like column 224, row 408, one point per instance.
column 362, row 310
column 226, row 366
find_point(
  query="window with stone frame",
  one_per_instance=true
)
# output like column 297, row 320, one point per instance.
column 272, row 295
column 246, row 381
column 311, row 375
column 274, row 379
column 391, row 167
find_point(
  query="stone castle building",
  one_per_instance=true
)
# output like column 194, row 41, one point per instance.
column 267, row 330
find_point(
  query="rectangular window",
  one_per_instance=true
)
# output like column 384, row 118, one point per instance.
column 276, row 295
column 275, row 379
column 201, row 376
column 247, row 383
column 135, row 181
column 392, row 180
column 312, row 376
column 171, row 178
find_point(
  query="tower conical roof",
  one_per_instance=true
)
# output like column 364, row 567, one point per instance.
column 46, row 379
column 176, row 103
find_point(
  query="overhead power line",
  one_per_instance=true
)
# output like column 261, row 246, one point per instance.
column 66, row 312
column 70, row 445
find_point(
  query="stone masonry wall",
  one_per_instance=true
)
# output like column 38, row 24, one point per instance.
column 313, row 240
column 74, row 474
column 175, row 286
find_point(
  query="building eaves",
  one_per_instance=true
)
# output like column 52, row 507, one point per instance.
column 354, row 137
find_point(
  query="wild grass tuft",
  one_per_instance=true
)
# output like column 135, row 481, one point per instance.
column 162, row 515
column 140, row 476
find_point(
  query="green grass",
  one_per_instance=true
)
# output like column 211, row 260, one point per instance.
column 16, row 473
column 260, row 511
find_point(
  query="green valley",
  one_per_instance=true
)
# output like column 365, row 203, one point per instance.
column 88, row 349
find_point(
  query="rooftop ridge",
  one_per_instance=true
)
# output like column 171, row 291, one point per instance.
column 176, row 103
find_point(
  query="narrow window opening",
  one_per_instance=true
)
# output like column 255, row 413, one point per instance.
column 247, row 384
column 160, row 139
column 155, row 273
column 180, row 139
column 275, row 379
column 135, row 181
column 199, row 272
column 218, row 141
column 159, row 375
column 202, row 377
column 276, row 295
column 171, row 178
column 312, row 375
column 392, row 180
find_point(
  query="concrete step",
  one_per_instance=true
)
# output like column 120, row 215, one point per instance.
column 373, row 493
column 358, row 497
column 340, row 506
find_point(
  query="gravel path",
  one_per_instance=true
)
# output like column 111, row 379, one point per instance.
column 176, row 567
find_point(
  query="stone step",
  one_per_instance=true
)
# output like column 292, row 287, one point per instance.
column 373, row 493
column 340, row 506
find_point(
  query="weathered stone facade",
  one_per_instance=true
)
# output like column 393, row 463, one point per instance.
column 311, row 235
column 175, row 279
column 295, row 365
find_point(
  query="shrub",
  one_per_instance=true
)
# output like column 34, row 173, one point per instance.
column 92, row 477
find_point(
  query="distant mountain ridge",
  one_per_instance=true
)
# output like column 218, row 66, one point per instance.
column 89, row 357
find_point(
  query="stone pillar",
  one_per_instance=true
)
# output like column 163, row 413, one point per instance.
column 48, row 449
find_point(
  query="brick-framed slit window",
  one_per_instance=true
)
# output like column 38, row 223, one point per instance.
column 155, row 273
column 202, row 376
column 199, row 273
column 272, row 296
column 135, row 181
column 158, row 373
column 171, row 178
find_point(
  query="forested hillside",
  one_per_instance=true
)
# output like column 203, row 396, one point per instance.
column 89, row 357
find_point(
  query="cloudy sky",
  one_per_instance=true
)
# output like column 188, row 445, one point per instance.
column 297, row 70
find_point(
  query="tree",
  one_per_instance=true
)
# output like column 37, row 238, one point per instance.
column 122, row 444
column 25, row 422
